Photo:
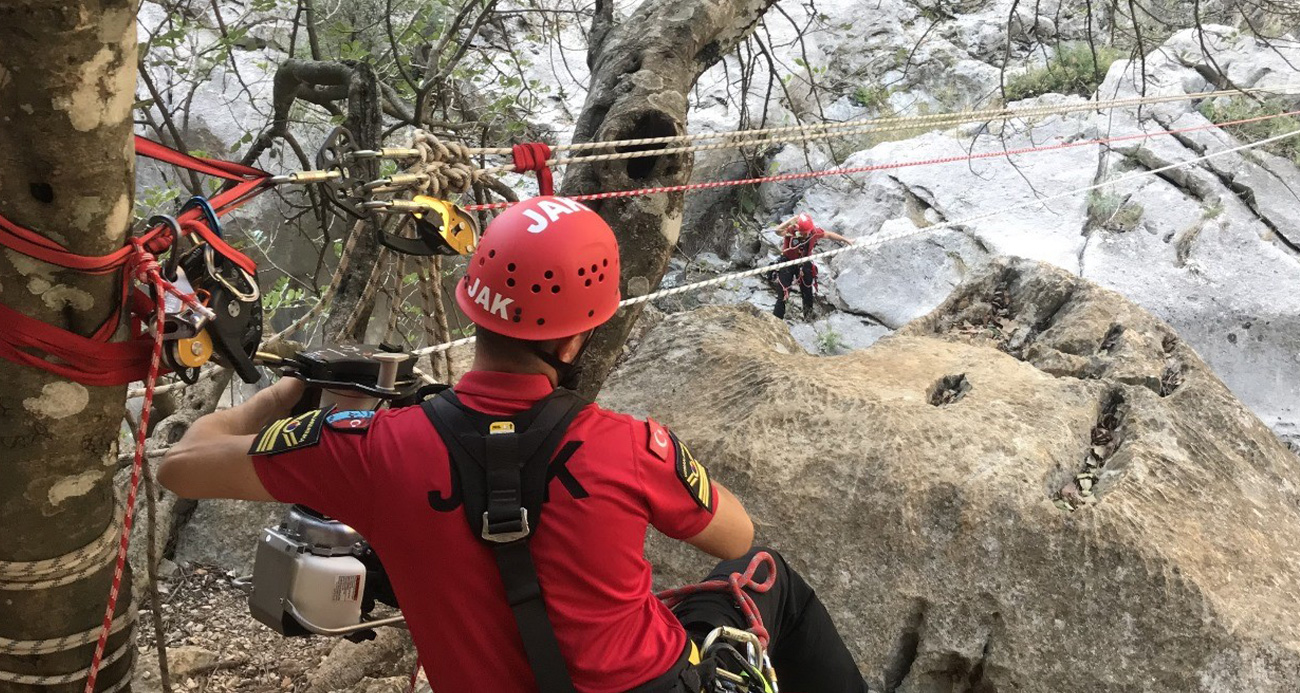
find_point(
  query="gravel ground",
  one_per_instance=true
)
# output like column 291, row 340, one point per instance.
column 214, row 645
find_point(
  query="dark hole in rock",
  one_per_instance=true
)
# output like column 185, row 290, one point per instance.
column 42, row 192
column 1111, row 340
column 949, row 389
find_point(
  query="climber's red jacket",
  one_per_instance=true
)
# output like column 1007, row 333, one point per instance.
column 795, row 247
column 377, row 474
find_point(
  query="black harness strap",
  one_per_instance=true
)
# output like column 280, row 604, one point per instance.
column 501, row 464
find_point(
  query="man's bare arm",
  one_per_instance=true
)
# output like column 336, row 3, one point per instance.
column 836, row 237
column 730, row 534
column 211, row 460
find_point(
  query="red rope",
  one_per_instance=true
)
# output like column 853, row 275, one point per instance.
column 95, row 360
column 144, row 268
column 736, row 584
column 532, row 156
column 710, row 185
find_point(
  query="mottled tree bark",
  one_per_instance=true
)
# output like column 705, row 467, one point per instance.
column 67, row 85
column 642, row 74
column 349, row 313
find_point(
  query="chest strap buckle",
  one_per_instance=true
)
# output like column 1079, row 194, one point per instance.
column 508, row 531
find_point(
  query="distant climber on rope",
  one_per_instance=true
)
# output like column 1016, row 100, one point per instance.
column 452, row 494
column 799, row 237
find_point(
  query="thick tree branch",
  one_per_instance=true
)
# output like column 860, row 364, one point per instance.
column 643, row 71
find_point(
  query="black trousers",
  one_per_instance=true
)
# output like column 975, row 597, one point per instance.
column 786, row 276
column 806, row 650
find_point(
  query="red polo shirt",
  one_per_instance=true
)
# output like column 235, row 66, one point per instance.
column 589, row 550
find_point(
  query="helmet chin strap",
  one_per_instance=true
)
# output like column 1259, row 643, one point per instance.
column 564, row 371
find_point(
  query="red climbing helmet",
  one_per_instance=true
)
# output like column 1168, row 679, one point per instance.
column 545, row 268
column 805, row 223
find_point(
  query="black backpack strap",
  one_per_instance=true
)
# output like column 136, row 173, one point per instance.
column 501, row 464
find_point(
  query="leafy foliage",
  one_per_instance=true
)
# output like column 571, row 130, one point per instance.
column 1073, row 70
column 1224, row 110
column 829, row 341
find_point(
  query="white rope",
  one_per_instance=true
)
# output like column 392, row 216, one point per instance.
column 62, row 679
column 11, row 646
column 881, row 239
column 820, row 131
column 33, row 576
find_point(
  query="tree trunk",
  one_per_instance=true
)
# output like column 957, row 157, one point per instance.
column 642, row 74
column 350, row 312
column 67, row 85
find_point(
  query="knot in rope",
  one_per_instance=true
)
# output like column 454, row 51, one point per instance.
column 143, row 265
column 533, row 156
column 448, row 167
column 737, row 584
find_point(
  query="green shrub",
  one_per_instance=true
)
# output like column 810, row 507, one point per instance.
column 830, row 342
column 873, row 98
column 1072, row 70
column 1113, row 212
column 1223, row 110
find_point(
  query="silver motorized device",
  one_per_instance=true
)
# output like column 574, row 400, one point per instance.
column 312, row 574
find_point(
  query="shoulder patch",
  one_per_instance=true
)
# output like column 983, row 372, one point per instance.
column 658, row 440
column 302, row 431
column 693, row 476
column 350, row 421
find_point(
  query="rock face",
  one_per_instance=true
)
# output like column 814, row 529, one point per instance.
column 1208, row 248
column 1038, row 486
column 225, row 533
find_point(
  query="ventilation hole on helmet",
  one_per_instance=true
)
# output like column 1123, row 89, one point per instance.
column 604, row 263
column 549, row 274
column 541, row 321
column 591, row 313
column 595, row 268
column 492, row 253
column 582, row 271
column 510, row 281
column 602, row 277
column 519, row 311
column 482, row 261
column 537, row 288
column 587, row 283
column 517, row 318
column 510, row 267
column 555, row 289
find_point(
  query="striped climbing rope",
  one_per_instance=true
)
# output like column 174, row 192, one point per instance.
column 881, row 239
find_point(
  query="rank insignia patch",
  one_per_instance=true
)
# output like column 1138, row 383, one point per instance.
column 289, row 434
column 694, row 476
column 350, row 421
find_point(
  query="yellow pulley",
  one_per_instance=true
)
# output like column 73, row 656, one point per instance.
column 453, row 226
column 192, row 352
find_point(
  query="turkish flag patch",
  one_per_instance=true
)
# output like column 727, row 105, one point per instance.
column 659, row 440
column 350, row 421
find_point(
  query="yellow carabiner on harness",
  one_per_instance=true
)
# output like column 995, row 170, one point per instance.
column 453, row 225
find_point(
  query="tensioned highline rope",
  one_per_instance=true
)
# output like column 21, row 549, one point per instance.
column 838, row 171
column 819, row 131
column 881, row 239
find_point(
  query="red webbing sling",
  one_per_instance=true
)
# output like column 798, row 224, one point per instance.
column 95, row 360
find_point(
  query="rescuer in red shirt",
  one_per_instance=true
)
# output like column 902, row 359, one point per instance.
column 799, row 238
column 545, row 274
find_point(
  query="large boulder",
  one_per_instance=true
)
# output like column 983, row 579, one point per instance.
column 1036, row 487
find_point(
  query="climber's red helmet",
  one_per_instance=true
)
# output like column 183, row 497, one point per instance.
column 545, row 268
column 804, row 223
